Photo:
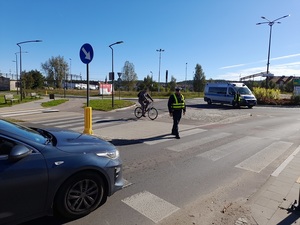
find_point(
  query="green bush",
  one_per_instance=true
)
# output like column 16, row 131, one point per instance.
column 263, row 94
column 295, row 99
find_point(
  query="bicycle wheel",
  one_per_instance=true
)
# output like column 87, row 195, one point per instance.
column 138, row 112
column 152, row 113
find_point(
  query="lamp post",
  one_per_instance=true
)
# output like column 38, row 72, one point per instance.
column 270, row 23
column 112, row 71
column 185, row 76
column 17, row 71
column 19, row 44
column 70, row 72
column 159, row 50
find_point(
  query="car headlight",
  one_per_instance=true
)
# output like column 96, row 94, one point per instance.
column 112, row 155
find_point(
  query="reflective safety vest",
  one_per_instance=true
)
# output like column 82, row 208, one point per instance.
column 176, row 104
column 237, row 97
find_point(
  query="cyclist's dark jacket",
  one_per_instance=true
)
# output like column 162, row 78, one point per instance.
column 176, row 102
column 144, row 96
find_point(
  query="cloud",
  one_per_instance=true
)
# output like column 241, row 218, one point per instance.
column 286, row 57
column 245, row 64
column 233, row 66
column 287, row 69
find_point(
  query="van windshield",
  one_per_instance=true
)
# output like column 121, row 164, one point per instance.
column 244, row 91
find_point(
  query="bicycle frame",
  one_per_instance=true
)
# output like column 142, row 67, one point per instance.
column 150, row 105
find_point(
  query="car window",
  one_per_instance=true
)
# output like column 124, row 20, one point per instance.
column 22, row 131
column 6, row 146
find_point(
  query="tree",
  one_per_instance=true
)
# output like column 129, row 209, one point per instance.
column 289, row 87
column 56, row 69
column 33, row 79
column 147, row 83
column 129, row 77
column 199, row 79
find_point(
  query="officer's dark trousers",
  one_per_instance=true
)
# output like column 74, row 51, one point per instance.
column 176, row 118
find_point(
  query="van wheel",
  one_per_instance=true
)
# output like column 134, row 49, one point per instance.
column 209, row 101
column 250, row 106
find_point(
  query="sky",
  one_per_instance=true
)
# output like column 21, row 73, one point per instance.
column 220, row 35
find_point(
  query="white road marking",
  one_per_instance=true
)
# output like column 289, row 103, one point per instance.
column 197, row 142
column 126, row 183
column 171, row 137
column 285, row 163
column 150, row 206
column 20, row 113
column 227, row 149
column 263, row 158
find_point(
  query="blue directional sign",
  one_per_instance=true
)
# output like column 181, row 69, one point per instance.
column 86, row 53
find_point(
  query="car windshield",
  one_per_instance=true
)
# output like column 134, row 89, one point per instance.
column 244, row 91
column 22, row 131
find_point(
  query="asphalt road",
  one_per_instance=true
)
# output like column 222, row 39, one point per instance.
column 223, row 158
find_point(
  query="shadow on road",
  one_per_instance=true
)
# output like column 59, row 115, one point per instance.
column 116, row 120
column 123, row 142
column 214, row 106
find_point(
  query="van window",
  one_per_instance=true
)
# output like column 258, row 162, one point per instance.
column 231, row 91
column 244, row 91
column 218, row 90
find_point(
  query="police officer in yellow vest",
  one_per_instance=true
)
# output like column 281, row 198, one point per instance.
column 176, row 106
column 237, row 99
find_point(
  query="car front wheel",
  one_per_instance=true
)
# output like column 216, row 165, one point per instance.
column 79, row 195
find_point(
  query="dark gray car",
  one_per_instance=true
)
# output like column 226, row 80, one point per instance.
column 49, row 170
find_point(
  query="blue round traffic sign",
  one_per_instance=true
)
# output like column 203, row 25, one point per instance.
column 86, row 53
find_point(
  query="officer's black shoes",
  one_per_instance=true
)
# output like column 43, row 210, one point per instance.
column 177, row 137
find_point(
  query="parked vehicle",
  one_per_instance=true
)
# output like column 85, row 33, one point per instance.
column 225, row 93
column 45, row 171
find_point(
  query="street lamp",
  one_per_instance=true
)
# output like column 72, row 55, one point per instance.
column 19, row 44
column 159, row 50
column 270, row 23
column 112, row 71
column 151, row 82
column 70, row 72
column 185, row 75
column 17, row 71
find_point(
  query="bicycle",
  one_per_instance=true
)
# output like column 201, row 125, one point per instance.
column 151, row 111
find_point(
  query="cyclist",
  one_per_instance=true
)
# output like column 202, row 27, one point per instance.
column 144, row 98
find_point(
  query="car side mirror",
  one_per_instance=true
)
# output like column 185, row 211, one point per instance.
column 18, row 152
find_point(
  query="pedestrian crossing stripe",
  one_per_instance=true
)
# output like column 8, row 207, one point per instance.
column 227, row 149
column 151, row 206
column 198, row 142
column 263, row 158
column 19, row 113
column 171, row 137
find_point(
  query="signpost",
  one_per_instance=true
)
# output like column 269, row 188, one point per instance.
column 119, row 84
column 86, row 54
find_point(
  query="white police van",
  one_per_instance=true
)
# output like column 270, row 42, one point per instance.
column 224, row 93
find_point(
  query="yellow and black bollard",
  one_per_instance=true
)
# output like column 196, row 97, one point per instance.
column 88, row 120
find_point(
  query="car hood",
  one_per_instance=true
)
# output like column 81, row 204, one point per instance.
column 71, row 141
